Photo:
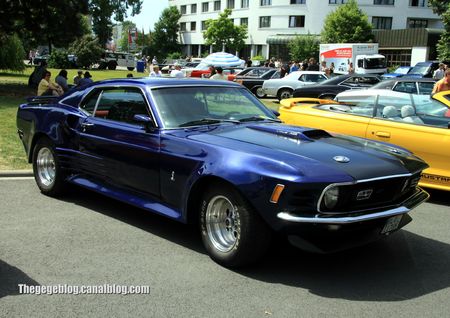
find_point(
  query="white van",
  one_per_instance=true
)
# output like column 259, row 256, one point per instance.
column 111, row 60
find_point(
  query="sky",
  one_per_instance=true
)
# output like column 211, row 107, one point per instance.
column 150, row 13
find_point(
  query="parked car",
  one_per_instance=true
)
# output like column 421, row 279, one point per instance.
column 407, row 84
column 329, row 88
column 209, row 152
column 417, row 122
column 254, row 77
column 398, row 72
column 424, row 69
column 203, row 71
column 38, row 59
column 284, row 87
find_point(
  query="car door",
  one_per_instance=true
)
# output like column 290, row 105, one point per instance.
column 114, row 146
column 428, row 136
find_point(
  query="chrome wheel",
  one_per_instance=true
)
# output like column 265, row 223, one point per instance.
column 46, row 168
column 222, row 223
column 259, row 92
column 285, row 93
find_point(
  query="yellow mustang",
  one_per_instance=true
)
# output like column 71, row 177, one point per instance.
column 419, row 123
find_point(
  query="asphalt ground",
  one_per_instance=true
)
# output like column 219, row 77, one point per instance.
column 86, row 239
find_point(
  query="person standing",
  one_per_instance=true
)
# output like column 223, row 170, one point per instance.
column 156, row 72
column 313, row 66
column 177, row 73
column 443, row 84
column 439, row 73
column 219, row 75
column 351, row 70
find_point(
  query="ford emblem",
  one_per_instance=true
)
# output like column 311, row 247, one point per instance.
column 341, row 159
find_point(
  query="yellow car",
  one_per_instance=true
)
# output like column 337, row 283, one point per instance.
column 419, row 123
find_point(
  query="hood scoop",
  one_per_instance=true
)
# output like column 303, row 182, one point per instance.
column 298, row 133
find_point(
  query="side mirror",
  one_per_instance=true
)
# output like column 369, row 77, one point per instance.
column 276, row 113
column 146, row 122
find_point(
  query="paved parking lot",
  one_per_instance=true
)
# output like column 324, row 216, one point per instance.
column 87, row 239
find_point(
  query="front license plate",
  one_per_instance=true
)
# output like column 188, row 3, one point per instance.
column 392, row 224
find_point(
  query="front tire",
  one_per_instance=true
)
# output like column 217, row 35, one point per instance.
column 47, row 170
column 233, row 233
column 130, row 68
column 259, row 92
column 112, row 66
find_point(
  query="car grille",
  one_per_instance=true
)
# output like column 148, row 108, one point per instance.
column 373, row 194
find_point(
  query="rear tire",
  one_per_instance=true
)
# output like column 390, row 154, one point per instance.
column 112, row 66
column 233, row 233
column 130, row 68
column 284, row 93
column 49, row 176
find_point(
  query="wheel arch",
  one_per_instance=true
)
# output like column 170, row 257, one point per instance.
column 37, row 136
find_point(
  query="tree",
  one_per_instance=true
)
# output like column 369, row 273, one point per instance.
column 303, row 47
column 347, row 24
column 46, row 21
column 103, row 11
column 11, row 53
column 222, row 32
column 442, row 7
column 87, row 50
column 164, row 39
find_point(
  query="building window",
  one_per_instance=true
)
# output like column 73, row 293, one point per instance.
column 298, row 1
column 204, row 27
column 337, row 1
column 244, row 21
column 417, row 23
column 193, row 26
column 194, row 8
column 244, row 3
column 384, row 23
column 183, row 9
column 386, row 2
column 230, row 4
column 205, row 6
column 183, row 26
column 264, row 22
column 217, row 5
column 418, row 3
column 397, row 57
column 266, row 2
column 297, row 21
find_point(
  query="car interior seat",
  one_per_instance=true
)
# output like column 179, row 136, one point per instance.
column 390, row 112
column 409, row 115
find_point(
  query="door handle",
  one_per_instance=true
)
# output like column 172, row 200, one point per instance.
column 85, row 126
column 382, row 134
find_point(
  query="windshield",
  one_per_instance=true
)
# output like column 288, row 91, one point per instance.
column 201, row 67
column 419, row 69
column 200, row 105
column 374, row 63
column 402, row 70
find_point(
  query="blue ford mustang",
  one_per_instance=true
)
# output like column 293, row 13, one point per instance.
column 209, row 152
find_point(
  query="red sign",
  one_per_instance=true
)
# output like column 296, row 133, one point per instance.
column 338, row 53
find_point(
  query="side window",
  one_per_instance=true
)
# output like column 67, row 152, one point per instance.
column 425, row 88
column 88, row 104
column 406, row 87
column 121, row 104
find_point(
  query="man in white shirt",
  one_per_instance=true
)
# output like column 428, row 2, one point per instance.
column 219, row 75
column 177, row 72
column 439, row 73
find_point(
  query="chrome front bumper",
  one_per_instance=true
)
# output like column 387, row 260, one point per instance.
column 417, row 198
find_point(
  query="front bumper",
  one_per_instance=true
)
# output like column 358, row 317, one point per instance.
column 410, row 203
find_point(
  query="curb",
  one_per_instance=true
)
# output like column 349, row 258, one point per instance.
column 16, row 173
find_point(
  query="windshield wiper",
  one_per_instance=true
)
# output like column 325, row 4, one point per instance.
column 208, row 121
column 259, row 118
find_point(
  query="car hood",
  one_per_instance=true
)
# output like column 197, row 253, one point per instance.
column 307, row 149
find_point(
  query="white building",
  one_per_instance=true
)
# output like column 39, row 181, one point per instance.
column 272, row 23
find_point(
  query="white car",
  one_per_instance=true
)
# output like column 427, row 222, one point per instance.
column 284, row 87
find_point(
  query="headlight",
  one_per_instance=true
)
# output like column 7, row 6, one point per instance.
column 330, row 197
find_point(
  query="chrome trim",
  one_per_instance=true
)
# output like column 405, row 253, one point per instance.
column 357, row 182
column 407, row 205
column 103, row 86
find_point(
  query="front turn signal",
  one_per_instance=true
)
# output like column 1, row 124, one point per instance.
column 276, row 193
